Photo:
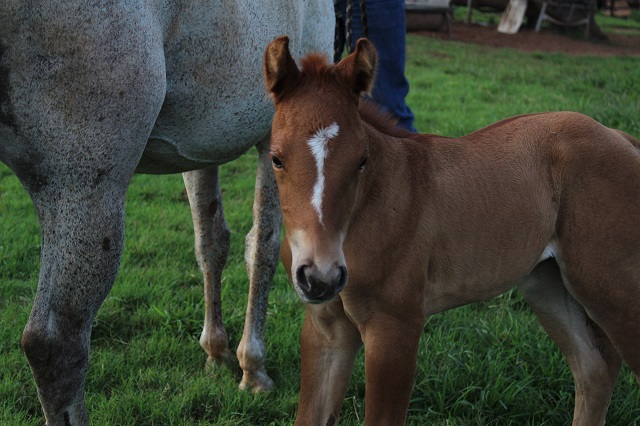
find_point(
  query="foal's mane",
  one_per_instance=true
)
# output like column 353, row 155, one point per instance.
column 315, row 67
column 382, row 121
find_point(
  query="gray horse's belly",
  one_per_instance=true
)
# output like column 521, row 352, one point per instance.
column 216, row 107
column 203, row 133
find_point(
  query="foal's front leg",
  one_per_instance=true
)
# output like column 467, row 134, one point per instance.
column 262, row 253
column 328, row 347
column 391, row 350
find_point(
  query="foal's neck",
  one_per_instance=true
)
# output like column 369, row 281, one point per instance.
column 397, row 170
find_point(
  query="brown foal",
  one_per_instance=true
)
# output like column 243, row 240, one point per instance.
column 545, row 202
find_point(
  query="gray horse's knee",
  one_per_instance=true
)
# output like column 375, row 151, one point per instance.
column 212, row 245
column 262, row 248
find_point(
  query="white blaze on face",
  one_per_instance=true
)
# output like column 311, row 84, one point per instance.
column 319, row 144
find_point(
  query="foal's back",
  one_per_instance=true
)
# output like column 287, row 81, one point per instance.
column 486, row 207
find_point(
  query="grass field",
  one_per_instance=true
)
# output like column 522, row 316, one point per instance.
column 485, row 364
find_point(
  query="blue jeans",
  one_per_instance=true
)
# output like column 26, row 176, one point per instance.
column 386, row 30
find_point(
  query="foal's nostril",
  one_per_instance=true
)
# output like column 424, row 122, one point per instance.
column 321, row 285
column 342, row 279
column 301, row 277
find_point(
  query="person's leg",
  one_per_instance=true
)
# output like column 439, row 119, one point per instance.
column 386, row 29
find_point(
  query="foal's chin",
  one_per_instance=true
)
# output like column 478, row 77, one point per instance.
column 325, row 297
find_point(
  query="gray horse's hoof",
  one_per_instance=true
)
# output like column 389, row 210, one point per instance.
column 256, row 382
column 224, row 358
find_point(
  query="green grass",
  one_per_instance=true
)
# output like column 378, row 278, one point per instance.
column 629, row 25
column 485, row 364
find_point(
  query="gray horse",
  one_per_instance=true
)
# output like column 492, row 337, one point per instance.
column 93, row 91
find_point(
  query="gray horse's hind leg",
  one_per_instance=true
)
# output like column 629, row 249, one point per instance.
column 211, row 246
column 262, row 253
column 82, row 238
column 80, row 129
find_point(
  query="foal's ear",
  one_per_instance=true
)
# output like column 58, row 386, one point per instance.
column 359, row 68
column 280, row 70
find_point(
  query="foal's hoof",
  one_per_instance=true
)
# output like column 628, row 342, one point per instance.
column 256, row 382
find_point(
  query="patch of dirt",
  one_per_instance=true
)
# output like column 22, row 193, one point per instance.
column 547, row 40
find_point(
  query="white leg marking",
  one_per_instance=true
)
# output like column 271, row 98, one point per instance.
column 550, row 251
column 319, row 148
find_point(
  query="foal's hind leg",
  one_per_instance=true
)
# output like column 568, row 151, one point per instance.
column 609, row 289
column 261, row 258
column 211, row 246
column 593, row 360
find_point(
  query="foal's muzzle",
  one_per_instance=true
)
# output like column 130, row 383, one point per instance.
column 317, row 286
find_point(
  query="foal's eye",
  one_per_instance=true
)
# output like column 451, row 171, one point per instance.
column 362, row 164
column 276, row 162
